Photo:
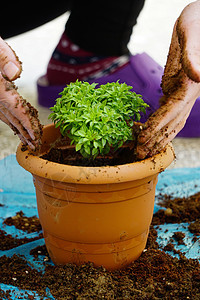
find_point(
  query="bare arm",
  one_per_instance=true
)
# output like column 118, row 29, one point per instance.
column 14, row 110
column 180, row 84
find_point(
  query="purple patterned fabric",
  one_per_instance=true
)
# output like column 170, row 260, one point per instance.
column 144, row 74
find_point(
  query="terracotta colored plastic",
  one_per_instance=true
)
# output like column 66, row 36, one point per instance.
column 96, row 214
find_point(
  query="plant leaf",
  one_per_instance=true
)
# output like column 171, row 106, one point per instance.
column 96, row 119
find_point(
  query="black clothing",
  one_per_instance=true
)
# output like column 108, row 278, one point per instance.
column 103, row 26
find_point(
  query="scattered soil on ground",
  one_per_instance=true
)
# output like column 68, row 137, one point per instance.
column 7, row 241
column 195, row 227
column 155, row 275
column 27, row 224
column 178, row 210
column 179, row 236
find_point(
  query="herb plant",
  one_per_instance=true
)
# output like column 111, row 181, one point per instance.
column 96, row 119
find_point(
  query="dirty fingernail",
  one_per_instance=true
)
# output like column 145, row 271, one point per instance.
column 10, row 70
column 31, row 133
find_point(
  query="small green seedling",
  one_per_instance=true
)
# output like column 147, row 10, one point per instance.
column 96, row 119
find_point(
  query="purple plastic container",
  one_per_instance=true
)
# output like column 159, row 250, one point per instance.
column 144, row 75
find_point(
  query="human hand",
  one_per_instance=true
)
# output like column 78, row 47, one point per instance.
column 14, row 110
column 180, row 84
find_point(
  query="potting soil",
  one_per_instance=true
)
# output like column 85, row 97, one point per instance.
column 71, row 157
column 167, row 269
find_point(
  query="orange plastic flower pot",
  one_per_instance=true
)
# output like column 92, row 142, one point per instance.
column 96, row 214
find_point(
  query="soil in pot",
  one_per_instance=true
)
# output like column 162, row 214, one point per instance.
column 69, row 156
column 63, row 153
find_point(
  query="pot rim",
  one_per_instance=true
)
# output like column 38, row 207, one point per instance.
column 95, row 175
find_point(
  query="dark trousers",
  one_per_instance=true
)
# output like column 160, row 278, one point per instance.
column 102, row 26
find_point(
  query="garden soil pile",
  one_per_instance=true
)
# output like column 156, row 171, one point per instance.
column 155, row 275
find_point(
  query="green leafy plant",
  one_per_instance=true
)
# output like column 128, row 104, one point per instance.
column 96, row 119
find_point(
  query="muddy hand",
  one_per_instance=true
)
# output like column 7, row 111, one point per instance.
column 14, row 110
column 180, row 84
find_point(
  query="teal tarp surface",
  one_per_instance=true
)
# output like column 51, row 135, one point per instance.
column 17, row 193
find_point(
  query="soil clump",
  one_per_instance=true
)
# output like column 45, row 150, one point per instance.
column 155, row 275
